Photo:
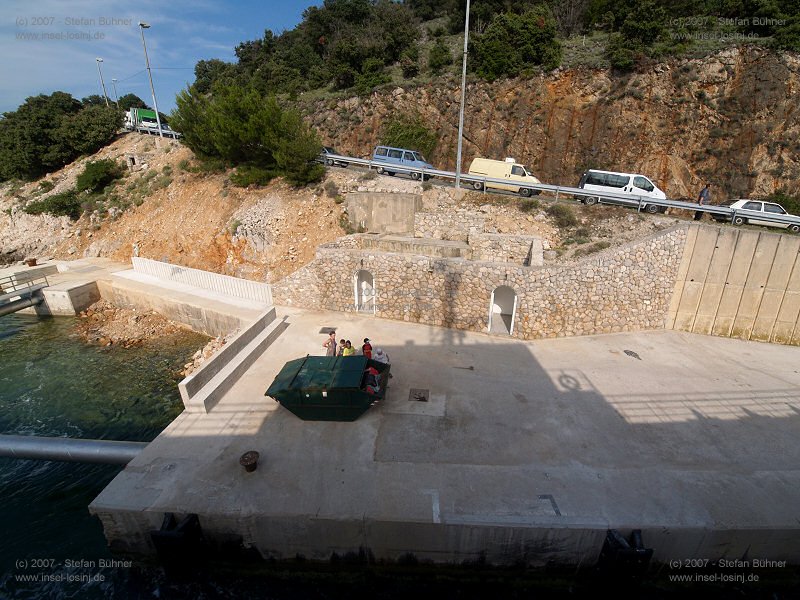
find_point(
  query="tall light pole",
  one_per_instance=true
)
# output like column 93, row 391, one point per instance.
column 463, row 96
column 142, row 27
column 116, row 97
column 102, row 83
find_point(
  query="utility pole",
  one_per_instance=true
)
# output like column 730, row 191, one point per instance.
column 116, row 97
column 142, row 27
column 463, row 96
column 102, row 83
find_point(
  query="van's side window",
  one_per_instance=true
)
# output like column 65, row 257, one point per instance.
column 596, row 179
column 643, row 184
column 617, row 180
column 380, row 152
column 408, row 156
column 515, row 170
column 395, row 154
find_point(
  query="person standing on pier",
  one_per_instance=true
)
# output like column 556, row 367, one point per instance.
column 330, row 344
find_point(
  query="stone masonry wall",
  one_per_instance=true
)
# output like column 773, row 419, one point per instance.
column 448, row 226
column 519, row 249
column 620, row 289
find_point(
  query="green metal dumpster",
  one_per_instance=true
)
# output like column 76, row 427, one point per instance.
column 330, row 388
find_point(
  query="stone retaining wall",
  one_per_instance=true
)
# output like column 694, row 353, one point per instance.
column 495, row 247
column 620, row 289
column 448, row 226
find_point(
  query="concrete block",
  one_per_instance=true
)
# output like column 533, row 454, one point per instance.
column 68, row 298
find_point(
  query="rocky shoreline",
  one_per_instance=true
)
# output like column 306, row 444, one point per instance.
column 104, row 324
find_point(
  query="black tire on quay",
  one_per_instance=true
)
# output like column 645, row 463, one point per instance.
column 524, row 192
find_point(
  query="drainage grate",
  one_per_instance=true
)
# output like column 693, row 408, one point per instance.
column 417, row 395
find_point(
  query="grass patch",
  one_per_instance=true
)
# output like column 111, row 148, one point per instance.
column 528, row 205
column 591, row 248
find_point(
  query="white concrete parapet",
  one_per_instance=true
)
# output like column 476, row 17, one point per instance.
column 223, row 284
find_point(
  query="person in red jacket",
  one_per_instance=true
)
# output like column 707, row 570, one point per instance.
column 366, row 349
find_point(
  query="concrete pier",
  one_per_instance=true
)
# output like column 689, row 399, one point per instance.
column 489, row 447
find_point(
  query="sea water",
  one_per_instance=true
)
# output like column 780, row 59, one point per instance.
column 54, row 384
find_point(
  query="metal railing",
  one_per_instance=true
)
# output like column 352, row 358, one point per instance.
column 222, row 284
column 20, row 284
column 723, row 213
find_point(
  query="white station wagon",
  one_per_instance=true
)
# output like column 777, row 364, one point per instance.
column 749, row 211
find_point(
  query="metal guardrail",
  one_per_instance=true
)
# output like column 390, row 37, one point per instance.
column 150, row 131
column 724, row 213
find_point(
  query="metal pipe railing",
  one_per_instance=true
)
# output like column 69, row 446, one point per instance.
column 68, row 449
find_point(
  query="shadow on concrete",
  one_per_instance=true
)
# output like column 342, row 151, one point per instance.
column 523, row 453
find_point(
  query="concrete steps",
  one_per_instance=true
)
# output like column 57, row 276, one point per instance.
column 203, row 389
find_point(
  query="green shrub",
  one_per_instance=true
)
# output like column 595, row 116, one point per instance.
column 439, row 57
column 563, row 215
column 45, row 186
column 409, row 131
column 790, row 203
column 247, row 175
column 372, row 75
column 787, row 36
column 184, row 165
column 65, row 204
column 331, row 189
column 160, row 183
column 368, row 175
column 512, row 43
column 98, row 174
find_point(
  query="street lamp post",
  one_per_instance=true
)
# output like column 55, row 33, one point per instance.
column 102, row 83
column 116, row 97
column 463, row 96
column 142, row 27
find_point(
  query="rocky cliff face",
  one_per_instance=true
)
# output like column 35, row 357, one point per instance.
column 731, row 118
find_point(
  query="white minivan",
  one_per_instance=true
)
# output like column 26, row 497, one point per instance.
column 631, row 184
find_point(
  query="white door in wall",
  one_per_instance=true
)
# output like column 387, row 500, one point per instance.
column 364, row 292
column 502, row 310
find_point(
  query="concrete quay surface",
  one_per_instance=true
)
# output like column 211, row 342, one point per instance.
column 524, row 451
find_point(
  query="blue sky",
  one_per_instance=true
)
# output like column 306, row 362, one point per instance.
column 51, row 45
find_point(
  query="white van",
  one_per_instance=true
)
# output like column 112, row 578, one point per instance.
column 631, row 184
column 516, row 175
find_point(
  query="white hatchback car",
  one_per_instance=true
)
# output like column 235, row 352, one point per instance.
column 749, row 211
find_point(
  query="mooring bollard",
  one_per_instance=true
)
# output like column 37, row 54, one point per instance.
column 249, row 460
